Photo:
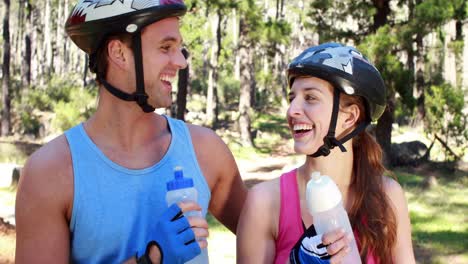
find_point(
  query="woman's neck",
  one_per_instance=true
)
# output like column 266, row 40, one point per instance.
column 338, row 166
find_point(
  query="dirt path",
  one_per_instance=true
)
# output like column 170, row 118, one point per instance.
column 7, row 242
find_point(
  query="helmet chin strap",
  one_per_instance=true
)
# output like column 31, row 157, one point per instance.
column 139, row 95
column 330, row 141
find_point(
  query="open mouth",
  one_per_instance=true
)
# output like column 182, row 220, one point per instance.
column 167, row 79
column 302, row 129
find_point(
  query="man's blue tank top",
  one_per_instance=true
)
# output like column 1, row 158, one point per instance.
column 114, row 208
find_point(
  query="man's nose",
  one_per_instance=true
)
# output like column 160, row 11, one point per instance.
column 180, row 59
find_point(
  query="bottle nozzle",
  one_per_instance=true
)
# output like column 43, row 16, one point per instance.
column 315, row 175
column 178, row 172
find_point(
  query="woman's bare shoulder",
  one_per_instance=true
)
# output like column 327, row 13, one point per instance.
column 394, row 191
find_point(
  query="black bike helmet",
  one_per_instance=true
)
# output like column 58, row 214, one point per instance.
column 349, row 72
column 91, row 22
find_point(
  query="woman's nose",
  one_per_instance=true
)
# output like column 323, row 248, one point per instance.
column 295, row 108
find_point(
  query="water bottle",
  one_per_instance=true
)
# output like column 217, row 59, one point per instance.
column 324, row 202
column 181, row 189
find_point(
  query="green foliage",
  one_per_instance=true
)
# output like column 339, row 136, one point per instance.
column 75, row 109
column 272, row 123
column 438, row 215
column 30, row 124
column 444, row 114
column 430, row 14
column 456, row 47
column 380, row 49
column 229, row 90
column 330, row 19
column 276, row 31
column 70, row 102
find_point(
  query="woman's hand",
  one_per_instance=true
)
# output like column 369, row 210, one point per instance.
column 330, row 247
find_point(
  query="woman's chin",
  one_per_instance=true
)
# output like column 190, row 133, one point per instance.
column 305, row 150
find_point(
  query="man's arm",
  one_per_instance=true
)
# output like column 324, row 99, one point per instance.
column 43, row 202
column 228, row 191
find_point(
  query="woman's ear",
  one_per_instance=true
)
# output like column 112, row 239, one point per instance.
column 351, row 115
column 118, row 54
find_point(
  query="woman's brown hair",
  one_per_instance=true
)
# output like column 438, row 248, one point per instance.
column 371, row 214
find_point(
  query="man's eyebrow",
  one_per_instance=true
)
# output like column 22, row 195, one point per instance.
column 172, row 39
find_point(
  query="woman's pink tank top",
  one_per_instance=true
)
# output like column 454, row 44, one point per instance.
column 290, row 227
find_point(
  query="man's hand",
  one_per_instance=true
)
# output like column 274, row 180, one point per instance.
column 175, row 238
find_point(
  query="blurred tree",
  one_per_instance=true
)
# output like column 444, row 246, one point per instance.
column 6, row 85
column 182, row 89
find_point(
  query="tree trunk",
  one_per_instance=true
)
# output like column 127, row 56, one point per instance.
column 211, row 98
column 18, row 42
column 66, row 52
column 36, row 45
column 48, row 39
column 206, row 44
column 383, row 132
column 6, row 100
column 245, row 85
column 182, row 88
column 420, row 78
column 381, row 16
column 85, row 71
column 60, row 30
column 26, row 71
column 235, row 40
column 459, row 57
column 409, row 47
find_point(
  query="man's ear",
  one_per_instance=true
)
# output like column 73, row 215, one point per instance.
column 118, row 54
column 351, row 116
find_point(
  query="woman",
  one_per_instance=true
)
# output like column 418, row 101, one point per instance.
column 335, row 94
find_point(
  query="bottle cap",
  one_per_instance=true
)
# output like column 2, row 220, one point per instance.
column 179, row 182
column 322, row 193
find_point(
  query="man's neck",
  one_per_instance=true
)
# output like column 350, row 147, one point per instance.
column 123, row 125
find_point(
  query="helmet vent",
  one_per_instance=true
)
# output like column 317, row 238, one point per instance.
column 131, row 28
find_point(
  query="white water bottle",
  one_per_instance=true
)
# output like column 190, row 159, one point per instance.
column 324, row 202
column 182, row 189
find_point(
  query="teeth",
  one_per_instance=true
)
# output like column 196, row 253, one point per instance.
column 166, row 78
column 302, row 127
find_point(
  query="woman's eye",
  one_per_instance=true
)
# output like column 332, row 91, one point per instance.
column 290, row 99
column 310, row 98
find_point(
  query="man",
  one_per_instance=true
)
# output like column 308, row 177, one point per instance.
column 97, row 193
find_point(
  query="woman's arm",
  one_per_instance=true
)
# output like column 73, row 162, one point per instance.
column 403, row 249
column 255, row 239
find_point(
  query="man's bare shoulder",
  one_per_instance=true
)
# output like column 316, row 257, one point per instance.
column 48, row 170
column 52, row 157
column 208, row 147
column 203, row 134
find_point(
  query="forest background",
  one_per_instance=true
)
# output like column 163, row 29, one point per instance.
column 235, row 83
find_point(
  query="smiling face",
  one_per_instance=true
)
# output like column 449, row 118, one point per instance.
column 309, row 113
column 162, row 58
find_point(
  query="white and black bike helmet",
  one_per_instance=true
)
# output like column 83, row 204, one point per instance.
column 91, row 22
column 349, row 72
